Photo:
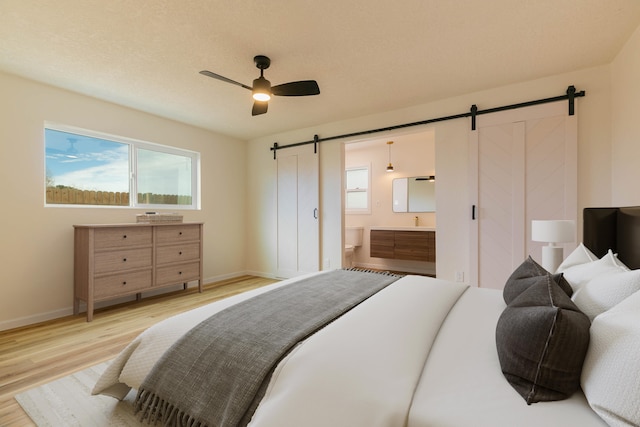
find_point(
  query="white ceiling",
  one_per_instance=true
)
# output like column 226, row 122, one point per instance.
column 368, row 56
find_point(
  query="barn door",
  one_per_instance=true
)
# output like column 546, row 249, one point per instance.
column 298, row 223
column 524, row 167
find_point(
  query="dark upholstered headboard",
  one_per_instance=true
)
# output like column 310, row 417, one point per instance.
column 617, row 229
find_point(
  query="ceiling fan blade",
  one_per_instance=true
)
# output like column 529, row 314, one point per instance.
column 224, row 79
column 259, row 107
column 301, row 88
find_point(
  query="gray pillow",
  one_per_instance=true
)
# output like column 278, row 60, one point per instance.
column 542, row 339
column 526, row 275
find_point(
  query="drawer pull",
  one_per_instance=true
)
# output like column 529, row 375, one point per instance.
column 124, row 283
column 124, row 237
column 180, row 273
column 180, row 253
column 180, row 233
column 124, row 260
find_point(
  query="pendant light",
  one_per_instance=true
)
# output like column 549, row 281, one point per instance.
column 390, row 166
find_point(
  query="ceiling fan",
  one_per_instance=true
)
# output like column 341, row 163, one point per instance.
column 262, row 89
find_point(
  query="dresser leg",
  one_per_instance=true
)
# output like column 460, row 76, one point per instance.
column 90, row 310
column 139, row 296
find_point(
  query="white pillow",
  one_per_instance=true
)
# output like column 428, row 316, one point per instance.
column 580, row 274
column 612, row 366
column 580, row 255
column 618, row 262
column 605, row 291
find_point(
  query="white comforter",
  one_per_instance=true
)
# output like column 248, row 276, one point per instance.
column 419, row 353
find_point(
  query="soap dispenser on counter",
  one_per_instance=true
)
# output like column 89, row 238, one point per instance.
column 416, row 220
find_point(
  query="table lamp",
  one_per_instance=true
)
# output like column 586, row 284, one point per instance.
column 552, row 232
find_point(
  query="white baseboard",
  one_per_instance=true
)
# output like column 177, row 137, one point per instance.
column 36, row 318
column 221, row 277
column 261, row 274
column 68, row 311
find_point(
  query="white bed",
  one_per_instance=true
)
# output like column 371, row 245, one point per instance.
column 421, row 352
column 424, row 355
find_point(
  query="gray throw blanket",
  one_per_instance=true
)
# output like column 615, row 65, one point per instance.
column 217, row 373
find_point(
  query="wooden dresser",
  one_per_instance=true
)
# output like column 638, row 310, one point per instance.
column 115, row 260
column 414, row 245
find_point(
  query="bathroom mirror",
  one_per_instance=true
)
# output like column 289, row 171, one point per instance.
column 414, row 194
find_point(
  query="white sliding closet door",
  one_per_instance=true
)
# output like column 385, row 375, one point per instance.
column 298, row 223
column 523, row 167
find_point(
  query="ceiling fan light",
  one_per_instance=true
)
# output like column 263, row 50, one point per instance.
column 259, row 96
column 261, row 89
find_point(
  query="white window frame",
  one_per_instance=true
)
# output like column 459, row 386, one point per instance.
column 134, row 145
column 360, row 211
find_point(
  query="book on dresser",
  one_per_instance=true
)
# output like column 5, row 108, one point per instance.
column 117, row 260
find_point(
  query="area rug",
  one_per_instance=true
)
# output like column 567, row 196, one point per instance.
column 68, row 402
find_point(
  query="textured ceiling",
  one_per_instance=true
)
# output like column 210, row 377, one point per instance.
column 367, row 56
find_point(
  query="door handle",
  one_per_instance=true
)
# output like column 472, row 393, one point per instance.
column 315, row 213
column 473, row 212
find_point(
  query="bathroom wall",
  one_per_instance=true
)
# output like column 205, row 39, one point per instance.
column 412, row 154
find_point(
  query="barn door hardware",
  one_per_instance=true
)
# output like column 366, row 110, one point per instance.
column 570, row 95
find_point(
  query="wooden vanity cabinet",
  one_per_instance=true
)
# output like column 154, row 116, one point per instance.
column 116, row 260
column 405, row 245
column 382, row 243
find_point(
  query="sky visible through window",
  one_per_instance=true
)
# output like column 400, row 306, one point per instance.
column 96, row 169
column 163, row 173
column 86, row 163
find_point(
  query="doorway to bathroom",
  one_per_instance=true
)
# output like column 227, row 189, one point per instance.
column 370, row 201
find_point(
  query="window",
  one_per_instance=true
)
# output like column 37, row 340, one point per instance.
column 357, row 199
column 89, row 168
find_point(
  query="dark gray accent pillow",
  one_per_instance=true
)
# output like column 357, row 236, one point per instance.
column 526, row 275
column 542, row 339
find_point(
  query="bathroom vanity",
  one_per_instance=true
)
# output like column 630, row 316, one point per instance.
column 405, row 243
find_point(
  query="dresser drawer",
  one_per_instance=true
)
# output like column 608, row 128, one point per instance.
column 121, row 284
column 177, row 233
column 117, row 237
column 177, row 274
column 118, row 260
column 177, row 253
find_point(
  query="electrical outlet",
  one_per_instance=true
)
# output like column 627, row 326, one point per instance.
column 459, row 276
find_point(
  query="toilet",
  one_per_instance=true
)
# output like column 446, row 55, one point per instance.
column 352, row 240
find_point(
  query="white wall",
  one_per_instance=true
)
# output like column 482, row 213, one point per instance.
column 453, row 210
column 625, row 112
column 36, row 248
column 238, row 183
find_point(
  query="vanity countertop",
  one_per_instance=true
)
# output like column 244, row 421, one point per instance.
column 418, row 228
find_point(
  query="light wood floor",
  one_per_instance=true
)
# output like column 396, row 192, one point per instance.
column 38, row 354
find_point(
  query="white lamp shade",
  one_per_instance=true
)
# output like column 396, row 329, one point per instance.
column 553, row 231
